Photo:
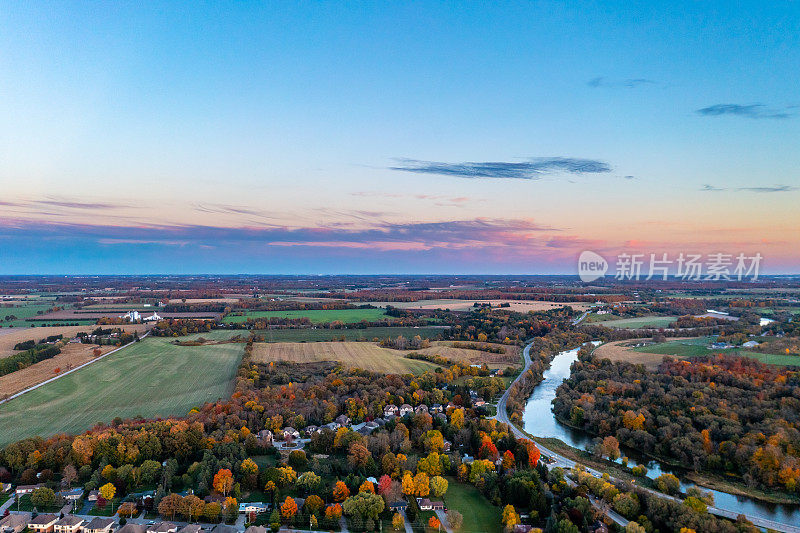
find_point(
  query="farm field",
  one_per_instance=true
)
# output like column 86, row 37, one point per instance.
column 24, row 310
column 358, row 354
column 479, row 514
column 151, row 378
column 9, row 338
column 651, row 356
column 638, row 322
column 348, row 316
column 522, row 306
column 370, row 356
column 316, row 335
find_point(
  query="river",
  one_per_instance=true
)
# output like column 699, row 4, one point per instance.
column 538, row 420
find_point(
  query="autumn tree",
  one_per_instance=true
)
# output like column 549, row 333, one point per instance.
column 340, row 491
column 313, row 504
column 439, row 486
column 223, row 481
column 170, row 505
column 422, row 485
column 510, row 517
column 367, row 486
column 397, row 522
column 108, row 491
column 288, row 508
column 192, row 506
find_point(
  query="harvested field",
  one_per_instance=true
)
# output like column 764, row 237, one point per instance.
column 622, row 351
column 12, row 336
column 364, row 355
column 71, row 355
column 370, row 356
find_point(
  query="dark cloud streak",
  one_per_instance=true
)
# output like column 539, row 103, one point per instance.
column 754, row 111
column 532, row 169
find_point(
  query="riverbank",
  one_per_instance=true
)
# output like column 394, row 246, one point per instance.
column 738, row 488
column 592, row 461
column 707, row 480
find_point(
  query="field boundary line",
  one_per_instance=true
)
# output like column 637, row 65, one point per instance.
column 87, row 363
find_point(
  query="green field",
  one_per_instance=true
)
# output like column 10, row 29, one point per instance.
column 479, row 513
column 635, row 323
column 23, row 311
column 152, row 378
column 698, row 348
column 318, row 335
column 348, row 316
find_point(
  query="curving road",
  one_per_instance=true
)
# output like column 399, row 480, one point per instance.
column 563, row 462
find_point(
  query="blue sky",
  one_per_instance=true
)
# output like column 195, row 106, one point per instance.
column 394, row 137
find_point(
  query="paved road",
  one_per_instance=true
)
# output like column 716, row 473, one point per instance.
column 442, row 516
column 563, row 462
column 7, row 504
column 580, row 318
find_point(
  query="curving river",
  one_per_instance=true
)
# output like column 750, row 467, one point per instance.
column 538, row 420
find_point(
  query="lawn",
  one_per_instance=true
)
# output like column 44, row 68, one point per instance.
column 347, row 316
column 315, row 335
column 638, row 322
column 479, row 514
column 150, row 379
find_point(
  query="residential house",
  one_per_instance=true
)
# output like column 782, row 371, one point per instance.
column 93, row 495
column 390, row 410
column 333, row 426
column 290, row 433
column 437, row 408
column 398, row 505
column 132, row 528
column 70, row 495
column 447, row 446
column 162, row 527
column 99, row 525
column 427, row 505
column 310, row 430
column 253, row 507
column 222, row 528
column 264, row 437
column 191, row 528
column 43, row 523
column 405, row 409
column 27, row 489
column 69, row 524
column 480, row 402
column 343, row 420
column 256, row 529
column 421, row 408
column 750, row 344
column 15, row 523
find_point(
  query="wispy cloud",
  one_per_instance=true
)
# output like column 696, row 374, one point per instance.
column 440, row 200
column 758, row 189
column 627, row 83
column 756, row 111
column 78, row 205
column 532, row 169
column 776, row 188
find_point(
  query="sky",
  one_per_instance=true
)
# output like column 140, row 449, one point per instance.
column 395, row 137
